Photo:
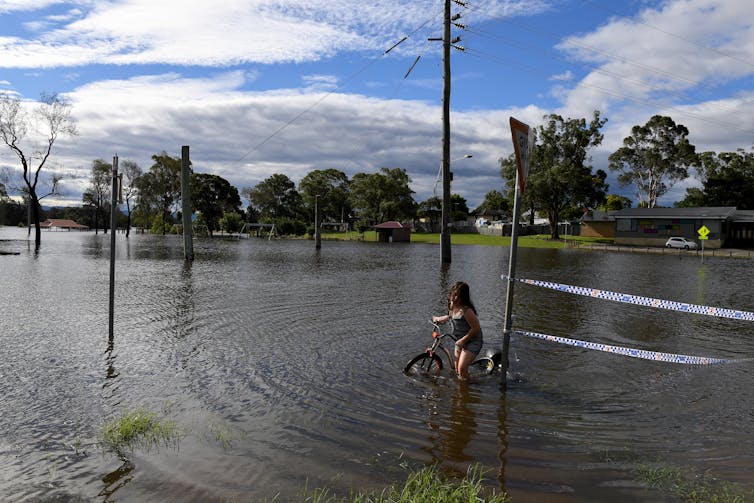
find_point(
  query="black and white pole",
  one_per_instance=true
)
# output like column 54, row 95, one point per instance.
column 523, row 141
column 113, row 227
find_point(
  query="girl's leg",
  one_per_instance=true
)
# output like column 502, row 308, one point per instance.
column 464, row 360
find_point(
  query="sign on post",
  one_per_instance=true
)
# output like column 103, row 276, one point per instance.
column 703, row 232
column 523, row 141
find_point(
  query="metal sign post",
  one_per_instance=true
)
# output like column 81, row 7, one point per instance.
column 522, row 145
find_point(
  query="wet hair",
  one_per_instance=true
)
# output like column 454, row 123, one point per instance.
column 464, row 297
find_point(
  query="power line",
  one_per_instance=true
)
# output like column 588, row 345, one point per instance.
column 336, row 89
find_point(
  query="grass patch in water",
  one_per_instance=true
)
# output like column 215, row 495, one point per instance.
column 424, row 485
column 140, row 429
column 692, row 487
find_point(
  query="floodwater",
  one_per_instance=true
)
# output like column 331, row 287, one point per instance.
column 282, row 366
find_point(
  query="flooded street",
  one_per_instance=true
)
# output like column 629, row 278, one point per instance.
column 282, row 366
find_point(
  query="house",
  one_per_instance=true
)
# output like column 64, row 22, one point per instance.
column 653, row 226
column 393, row 232
column 597, row 224
column 62, row 223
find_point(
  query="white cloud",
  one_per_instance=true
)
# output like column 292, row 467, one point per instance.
column 221, row 32
column 246, row 136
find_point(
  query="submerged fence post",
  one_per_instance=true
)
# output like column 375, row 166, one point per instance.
column 188, row 231
column 113, row 226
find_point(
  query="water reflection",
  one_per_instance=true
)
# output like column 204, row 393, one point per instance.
column 462, row 425
column 115, row 480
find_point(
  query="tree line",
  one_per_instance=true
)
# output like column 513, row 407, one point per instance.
column 561, row 184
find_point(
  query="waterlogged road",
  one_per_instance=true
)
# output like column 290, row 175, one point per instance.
column 282, row 367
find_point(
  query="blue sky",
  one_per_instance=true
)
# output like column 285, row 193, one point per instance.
column 258, row 87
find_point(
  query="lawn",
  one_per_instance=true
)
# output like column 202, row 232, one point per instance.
column 536, row 241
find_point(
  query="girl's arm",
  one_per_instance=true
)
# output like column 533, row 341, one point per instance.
column 441, row 319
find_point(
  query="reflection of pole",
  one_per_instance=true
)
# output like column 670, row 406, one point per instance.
column 317, row 236
column 511, row 276
column 445, row 231
column 113, row 202
column 188, row 232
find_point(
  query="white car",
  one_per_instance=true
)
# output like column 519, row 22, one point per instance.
column 680, row 243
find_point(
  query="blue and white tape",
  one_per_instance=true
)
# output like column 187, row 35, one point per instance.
column 634, row 353
column 641, row 301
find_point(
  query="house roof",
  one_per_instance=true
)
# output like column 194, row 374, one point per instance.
column 743, row 216
column 62, row 222
column 392, row 224
column 713, row 212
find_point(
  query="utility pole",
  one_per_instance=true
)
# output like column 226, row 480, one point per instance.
column 445, row 231
column 447, row 176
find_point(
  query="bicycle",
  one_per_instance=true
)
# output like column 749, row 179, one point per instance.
column 430, row 364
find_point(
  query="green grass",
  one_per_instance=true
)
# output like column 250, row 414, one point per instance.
column 691, row 487
column 536, row 241
column 426, row 485
column 139, row 429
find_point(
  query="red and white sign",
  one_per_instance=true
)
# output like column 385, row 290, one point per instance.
column 523, row 141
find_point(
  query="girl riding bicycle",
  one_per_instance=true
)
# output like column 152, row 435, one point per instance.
column 466, row 329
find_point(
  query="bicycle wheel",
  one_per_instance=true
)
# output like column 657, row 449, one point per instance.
column 424, row 365
column 481, row 366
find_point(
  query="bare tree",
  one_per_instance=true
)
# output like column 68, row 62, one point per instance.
column 52, row 118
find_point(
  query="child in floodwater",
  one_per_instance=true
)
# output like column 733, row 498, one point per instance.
column 466, row 329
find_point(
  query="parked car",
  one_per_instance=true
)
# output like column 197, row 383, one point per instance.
column 684, row 243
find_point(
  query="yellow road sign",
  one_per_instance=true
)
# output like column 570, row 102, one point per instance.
column 703, row 232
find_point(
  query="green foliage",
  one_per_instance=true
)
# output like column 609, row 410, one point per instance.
column 97, row 194
column 275, row 197
column 654, row 157
column 159, row 190
column 494, row 203
column 727, row 180
column 691, row 487
column 231, row 222
column 328, row 190
column 139, row 429
column 159, row 226
column 213, row 196
column 614, row 202
column 559, row 176
column 425, row 485
column 383, row 196
column 290, row 227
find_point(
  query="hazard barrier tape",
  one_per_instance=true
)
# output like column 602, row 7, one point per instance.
column 634, row 353
column 641, row 301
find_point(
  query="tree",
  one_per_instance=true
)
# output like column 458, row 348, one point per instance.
column 727, row 180
column 494, row 203
column 131, row 173
column 275, row 197
column 97, row 195
column 213, row 196
column 615, row 202
column 383, row 196
column 431, row 212
column 653, row 158
column 459, row 208
column 329, row 190
column 559, row 177
column 159, row 191
column 53, row 119
column 230, row 222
